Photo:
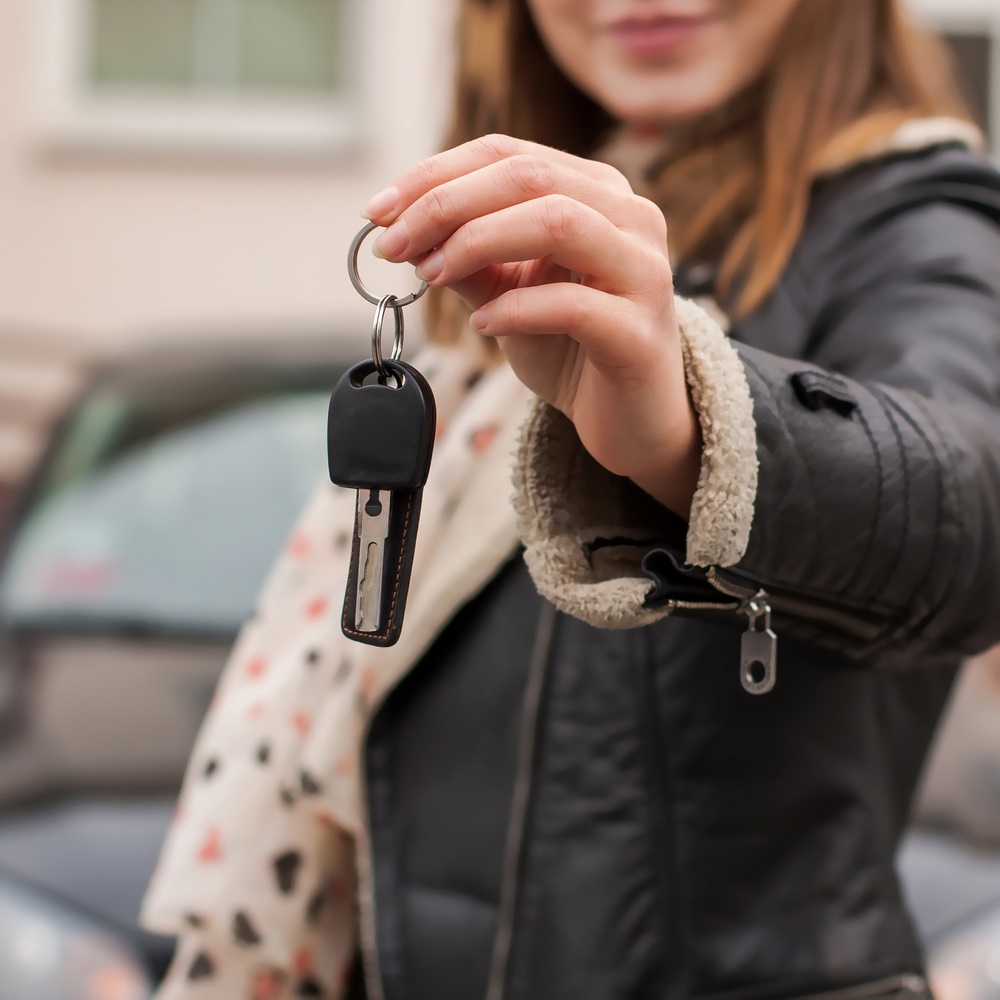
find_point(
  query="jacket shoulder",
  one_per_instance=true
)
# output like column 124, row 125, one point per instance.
column 899, row 219
column 896, row 184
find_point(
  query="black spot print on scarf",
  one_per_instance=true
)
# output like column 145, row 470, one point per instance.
column 317, row 904
column 244, row 931
column 286, row 870
column 201, row 968
column 308, row 784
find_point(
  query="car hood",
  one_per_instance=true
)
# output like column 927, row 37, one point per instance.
column 92, row 761
column 100, row 713
column 97, row 854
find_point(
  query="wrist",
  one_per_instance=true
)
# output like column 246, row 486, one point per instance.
column 671, row 477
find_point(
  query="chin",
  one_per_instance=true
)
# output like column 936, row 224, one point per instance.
column 665, row 102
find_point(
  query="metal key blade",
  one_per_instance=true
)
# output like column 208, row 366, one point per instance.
column 373, row 528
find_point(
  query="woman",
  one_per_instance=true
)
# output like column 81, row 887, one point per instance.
column 544, row 803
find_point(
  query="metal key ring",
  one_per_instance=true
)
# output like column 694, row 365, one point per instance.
column 378, row 359
column 352, row 270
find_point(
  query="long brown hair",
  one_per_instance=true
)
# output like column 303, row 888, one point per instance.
column 846, row 75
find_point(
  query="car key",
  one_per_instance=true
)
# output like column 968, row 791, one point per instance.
column 380, row 439
column 373, row 529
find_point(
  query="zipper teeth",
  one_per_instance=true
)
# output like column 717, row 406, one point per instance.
column 520, row 800
column 662, row 826
column 844, row 620
column 730, row 589
column 701, row 606
column 374, row 988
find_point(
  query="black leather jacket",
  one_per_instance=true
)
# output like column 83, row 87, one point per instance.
column 559, row 812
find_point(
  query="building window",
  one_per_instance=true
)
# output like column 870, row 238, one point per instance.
column 232, row 46
column 275, row 76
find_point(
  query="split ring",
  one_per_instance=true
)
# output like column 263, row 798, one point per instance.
column 352, row 270
column 378, row 359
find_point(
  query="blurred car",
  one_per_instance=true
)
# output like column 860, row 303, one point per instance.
column 135, row 554
column 951, row 860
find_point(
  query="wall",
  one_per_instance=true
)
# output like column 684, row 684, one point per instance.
column 106, row 245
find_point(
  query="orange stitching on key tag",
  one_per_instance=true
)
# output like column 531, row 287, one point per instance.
column 351, row 589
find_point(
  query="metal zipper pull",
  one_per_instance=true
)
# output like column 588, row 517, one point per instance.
column 759, row 647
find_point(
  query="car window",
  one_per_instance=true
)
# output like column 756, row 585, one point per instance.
column 173, row 527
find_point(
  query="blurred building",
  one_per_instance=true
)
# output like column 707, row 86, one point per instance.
column 195, row 168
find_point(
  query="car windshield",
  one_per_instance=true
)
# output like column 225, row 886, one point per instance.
column 163, row 506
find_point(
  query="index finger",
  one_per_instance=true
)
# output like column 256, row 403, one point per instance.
column 422, row 177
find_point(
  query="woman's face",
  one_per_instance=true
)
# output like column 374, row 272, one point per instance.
column 661, row 61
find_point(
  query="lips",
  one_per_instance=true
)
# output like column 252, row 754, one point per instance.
column 658, row 36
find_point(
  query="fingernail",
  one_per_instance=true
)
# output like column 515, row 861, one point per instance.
column 480, row 319
column 392, row 242
column 384, row 202
column 430, row 267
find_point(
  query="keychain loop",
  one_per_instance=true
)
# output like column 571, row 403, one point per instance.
column 378, row 359
column 352, row 270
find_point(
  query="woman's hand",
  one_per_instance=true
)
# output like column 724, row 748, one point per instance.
column 564, row 263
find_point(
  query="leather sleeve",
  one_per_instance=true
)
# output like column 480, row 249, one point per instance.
column 878, row 503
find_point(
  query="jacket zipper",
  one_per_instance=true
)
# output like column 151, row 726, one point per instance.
column 758, row 659
column 908, row 985
column 520, row 801
column 374, row 988
column 662, row 840
column 853, row 623
column 367, row 930
column 758, row 649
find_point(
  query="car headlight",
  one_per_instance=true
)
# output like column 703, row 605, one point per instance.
column 966, row 965
column 50, row 952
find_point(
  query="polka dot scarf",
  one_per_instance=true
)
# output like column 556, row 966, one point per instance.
column 265, row 870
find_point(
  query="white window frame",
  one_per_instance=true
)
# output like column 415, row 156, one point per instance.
column 77, row 117
column 976, row 17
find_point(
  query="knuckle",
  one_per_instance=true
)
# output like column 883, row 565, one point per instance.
column 470, row 239
column 531, row 175
column 656, row 272
column 425, row 174
column 653, row 218
column 573, row 308
column 514, row 309
column 436, row 207
column 562, row 217
column 613, row 176
column 499, row 145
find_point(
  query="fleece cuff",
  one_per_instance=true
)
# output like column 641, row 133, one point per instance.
column 585, row 529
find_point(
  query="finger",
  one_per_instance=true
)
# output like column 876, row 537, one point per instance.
column 434, row 216
column 568, row 233
column 606, row 326
column 415, row 182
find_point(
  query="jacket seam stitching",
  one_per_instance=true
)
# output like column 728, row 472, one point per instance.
column 905, row 468
column 935, row 555
column 877, row 515
column 959, row 522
